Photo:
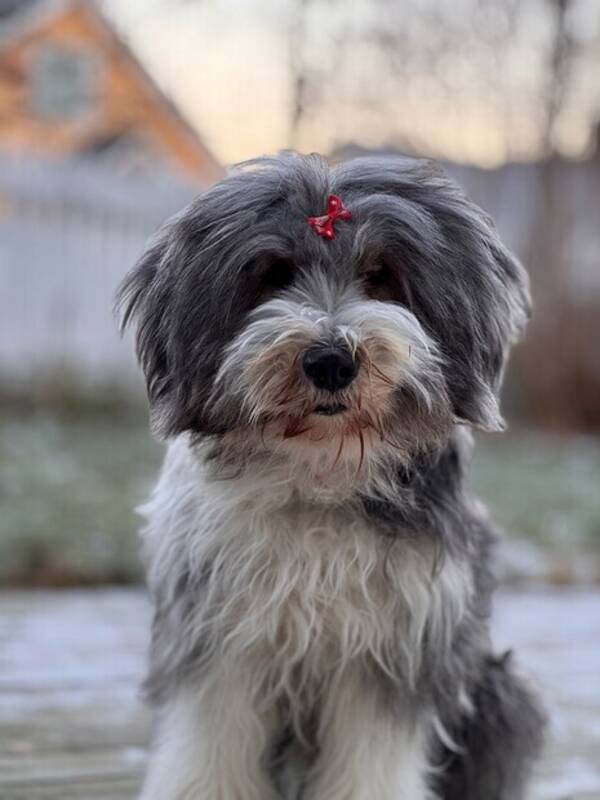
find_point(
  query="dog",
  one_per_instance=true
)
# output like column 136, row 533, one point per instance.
column 317, row 344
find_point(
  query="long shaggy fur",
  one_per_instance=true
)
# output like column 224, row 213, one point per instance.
column 321, row 580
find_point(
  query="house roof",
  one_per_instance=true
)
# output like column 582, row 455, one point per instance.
column 18, row 18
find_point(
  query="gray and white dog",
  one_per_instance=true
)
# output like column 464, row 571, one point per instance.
column 320, row 577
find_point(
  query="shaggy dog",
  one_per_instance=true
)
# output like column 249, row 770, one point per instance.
column 317, row 343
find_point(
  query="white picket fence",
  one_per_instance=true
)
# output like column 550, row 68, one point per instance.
column 68, row 234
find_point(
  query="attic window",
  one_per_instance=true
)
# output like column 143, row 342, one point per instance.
column 63, row 83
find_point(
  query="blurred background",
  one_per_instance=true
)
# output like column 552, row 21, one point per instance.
column 113, row 115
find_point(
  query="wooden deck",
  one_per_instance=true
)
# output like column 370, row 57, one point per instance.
column 72, row 727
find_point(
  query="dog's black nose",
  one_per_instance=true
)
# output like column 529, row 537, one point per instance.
column 330, row 368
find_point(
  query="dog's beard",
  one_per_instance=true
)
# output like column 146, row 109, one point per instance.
column 396, row 404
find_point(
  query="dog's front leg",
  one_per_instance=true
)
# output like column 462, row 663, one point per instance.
column 210, row 744
column 366, row 751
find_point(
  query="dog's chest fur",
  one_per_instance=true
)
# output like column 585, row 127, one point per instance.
column 301, row 588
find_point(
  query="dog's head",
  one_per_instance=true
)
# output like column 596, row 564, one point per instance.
column 383, row 337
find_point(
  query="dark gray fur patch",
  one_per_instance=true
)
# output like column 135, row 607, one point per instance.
column 499, row 741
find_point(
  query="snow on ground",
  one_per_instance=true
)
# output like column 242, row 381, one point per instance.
column 556, row 638
column 71, row 724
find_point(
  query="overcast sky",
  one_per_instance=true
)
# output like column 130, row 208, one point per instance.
column 226, row 63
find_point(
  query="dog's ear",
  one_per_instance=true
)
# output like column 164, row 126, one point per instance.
column 177, row 321
column 144, row 300
column 467, row 290
column 496, row 306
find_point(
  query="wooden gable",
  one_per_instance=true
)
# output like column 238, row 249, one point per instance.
column 68, row 84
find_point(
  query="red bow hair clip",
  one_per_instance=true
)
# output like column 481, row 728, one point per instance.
column 323, row 226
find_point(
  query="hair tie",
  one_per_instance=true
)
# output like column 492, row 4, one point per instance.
column 323, row 226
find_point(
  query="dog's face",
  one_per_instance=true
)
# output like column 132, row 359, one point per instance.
column 252, row 326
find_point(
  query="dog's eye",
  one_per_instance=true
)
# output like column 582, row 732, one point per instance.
column 269, row 273
column 378, row 279
column 376, row 274
column 278, row 274
column 382, row 281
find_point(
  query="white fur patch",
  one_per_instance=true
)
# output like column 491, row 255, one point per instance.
column 363, row 754
column 299, row 589
column 210, row 746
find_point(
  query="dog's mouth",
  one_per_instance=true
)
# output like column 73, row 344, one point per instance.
column 330, row 410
